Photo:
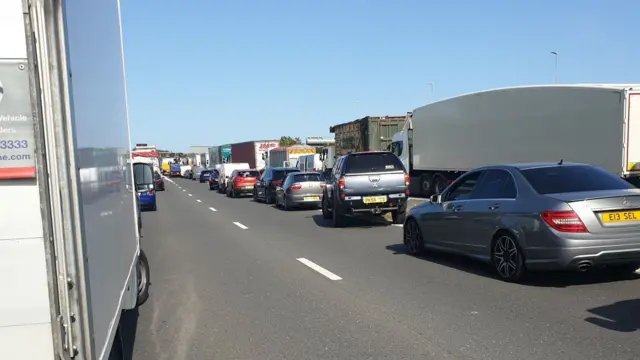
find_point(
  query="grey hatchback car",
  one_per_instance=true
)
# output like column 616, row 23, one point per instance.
column 300, row 189
column 533, row 217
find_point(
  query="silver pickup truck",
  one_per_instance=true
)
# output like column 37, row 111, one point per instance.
column 366, row 182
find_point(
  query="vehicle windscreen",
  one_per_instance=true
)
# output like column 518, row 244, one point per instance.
column 573, row 178
column 247, row 173
column 372, row 162
column 280, row 174
column 306, row 177
column 142, row 176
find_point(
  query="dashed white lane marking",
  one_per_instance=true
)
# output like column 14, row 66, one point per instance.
column 240, row 225
column 184, row 189
column 328, row 274
column 212, row 209
column 398, row 225
column 199, row 200
column 190, row 195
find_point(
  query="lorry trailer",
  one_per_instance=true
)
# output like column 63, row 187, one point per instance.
column 594, row 124
column 252, row 152
column 287, row 156
column 70, row 247
column 367, row 134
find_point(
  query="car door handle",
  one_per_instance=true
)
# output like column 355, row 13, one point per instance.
column 494, row 207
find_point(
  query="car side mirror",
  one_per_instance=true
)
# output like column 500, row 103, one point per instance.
column 436, row 198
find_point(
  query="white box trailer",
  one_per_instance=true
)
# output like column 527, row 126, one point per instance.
column 595, row 124
column 69, row 238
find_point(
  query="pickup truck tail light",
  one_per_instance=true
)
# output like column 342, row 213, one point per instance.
column 564, row 221
column 407, row 180
column 321, row 186
column 341, row 183
column 295, row 187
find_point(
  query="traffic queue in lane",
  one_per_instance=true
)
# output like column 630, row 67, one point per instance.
column 516, row 218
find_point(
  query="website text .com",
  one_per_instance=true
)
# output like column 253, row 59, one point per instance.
column 15, row 157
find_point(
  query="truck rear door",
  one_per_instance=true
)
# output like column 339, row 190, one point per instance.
column 632, row 140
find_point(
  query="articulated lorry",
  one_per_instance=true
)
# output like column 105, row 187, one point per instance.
column 595, row 124
column 70, row 257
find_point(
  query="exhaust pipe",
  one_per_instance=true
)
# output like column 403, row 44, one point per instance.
column 585, row 265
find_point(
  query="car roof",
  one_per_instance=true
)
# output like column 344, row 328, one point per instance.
column 284, row 168
column 527, row 166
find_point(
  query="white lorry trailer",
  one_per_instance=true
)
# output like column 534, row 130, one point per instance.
column 596, row 124
column 69, row 242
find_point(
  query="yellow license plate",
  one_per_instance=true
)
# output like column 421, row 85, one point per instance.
column 311, row 198
column 374, row 199
column 620, row 216
column 249, row 187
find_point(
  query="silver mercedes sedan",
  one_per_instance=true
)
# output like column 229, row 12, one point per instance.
column 543, row 216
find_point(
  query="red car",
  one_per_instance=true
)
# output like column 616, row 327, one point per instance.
column 242, row 182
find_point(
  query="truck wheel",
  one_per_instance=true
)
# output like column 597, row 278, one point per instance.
column 143, row 278
column 337, row 219
column 399, row 215
column 155, row 206
column 439, row 183
column 425, row 184
column 325, row 209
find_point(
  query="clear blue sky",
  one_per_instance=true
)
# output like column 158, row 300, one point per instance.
column 205, row 72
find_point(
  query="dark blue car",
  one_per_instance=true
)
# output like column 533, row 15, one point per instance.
column 205, row 175
column 213, row 179
column 145, row 187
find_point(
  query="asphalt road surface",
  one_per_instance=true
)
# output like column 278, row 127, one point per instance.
column 234, row 279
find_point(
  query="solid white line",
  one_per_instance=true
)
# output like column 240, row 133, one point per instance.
column 240, row 225
column 190, row 195
column 212, row 209
column 320, row 269
column 199, row 200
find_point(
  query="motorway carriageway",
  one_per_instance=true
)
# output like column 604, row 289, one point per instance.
column 234, row 279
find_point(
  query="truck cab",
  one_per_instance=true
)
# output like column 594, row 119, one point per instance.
column 400, row 146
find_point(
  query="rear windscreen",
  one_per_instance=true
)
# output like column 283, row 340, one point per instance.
column 245, row 174
column 280, row 174
column 573, row 178
column 142, row 176
column 372, row 162
column 306, row 177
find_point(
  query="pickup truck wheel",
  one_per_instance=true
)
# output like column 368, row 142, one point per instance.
column 399, row 215
column 143, row 278
column 325, row 210
column 337, row 219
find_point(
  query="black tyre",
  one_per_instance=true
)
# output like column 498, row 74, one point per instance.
column 268, row 198
column 285, row 203
column 326, row 214
column 144, row 278
column 412, row 238
column 337, row 219
column 155, row 206
column 507, row 257
column 399, row 215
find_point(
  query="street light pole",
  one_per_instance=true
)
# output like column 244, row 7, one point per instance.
column 555, row 69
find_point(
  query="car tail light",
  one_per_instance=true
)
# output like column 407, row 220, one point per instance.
column 276, row 182
column 150, row 192
column 564, row 221
column 295, row 187
column 407, row 180
column 341, row 183
column 321, row 186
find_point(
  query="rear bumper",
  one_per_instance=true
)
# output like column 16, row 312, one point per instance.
column 574, row 253
column 305, row 199
column 243, row 190
column 355, row 204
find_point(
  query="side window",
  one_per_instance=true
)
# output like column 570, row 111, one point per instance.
column 336, row 169
column 396, row 148
column 463, row 188
column 233, row 174
column 496, row 184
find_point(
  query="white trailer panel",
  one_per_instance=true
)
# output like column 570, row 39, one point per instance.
column 580, row 123
column 262, row 148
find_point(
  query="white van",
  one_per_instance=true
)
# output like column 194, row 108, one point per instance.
column 309, row 162
column 225, row 171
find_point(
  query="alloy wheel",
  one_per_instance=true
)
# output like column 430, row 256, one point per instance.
column 506, row 257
